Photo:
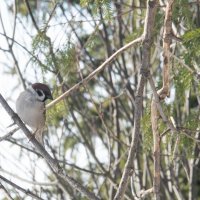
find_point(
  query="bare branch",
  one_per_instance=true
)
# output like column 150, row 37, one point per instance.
column 15, row 21
column 6, row 136
column 6, row 192
column 10, row 46
column 27, row 192
column 147, row 36
column 52, row 162
column 159, row 107
column 167, row 39
column 156, row 149
column 144, row 193
column 31, row 14
column 53, row 183
column 163, row 92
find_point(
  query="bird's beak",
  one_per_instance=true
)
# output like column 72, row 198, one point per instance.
column 49, row 96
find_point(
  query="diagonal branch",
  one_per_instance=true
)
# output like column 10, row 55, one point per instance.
column 27, row 192
column 94, row 73
column 6, row 136
column 31, row 14
column 52, row 162
column 6, row 192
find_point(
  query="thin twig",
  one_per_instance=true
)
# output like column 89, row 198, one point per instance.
column 15, row 20
column 143, row 194
column 50, row 16
column 159, row 107
column 6, row 192
column 31, row 15
column 6, row 136
column 27, row 192
column 13, row 141
column 53, row 183
column 10, row 46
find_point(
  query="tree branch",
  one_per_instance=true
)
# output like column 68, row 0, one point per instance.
column 10, row 46
column 167, row 39
column 147, row 37
column 94, row 73
column 156, row 149
column 31, row 14
column 52, row 162
column 27, row 192
column 163, row 92
column 6, row 136
column 6, row 192
column 144, row 193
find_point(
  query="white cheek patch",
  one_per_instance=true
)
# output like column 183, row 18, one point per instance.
column 38, row 94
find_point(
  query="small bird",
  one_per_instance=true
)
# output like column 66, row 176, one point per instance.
column 30, row 107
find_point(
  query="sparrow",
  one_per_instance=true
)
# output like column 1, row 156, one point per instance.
column 30, row 107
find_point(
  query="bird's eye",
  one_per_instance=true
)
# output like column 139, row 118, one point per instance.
column 39, row 92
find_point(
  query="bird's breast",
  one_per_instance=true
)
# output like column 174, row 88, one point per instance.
column 31, row 111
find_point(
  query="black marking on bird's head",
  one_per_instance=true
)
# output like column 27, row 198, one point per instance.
column 43, row 91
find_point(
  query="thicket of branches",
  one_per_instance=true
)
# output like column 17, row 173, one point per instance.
column 127, row 123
